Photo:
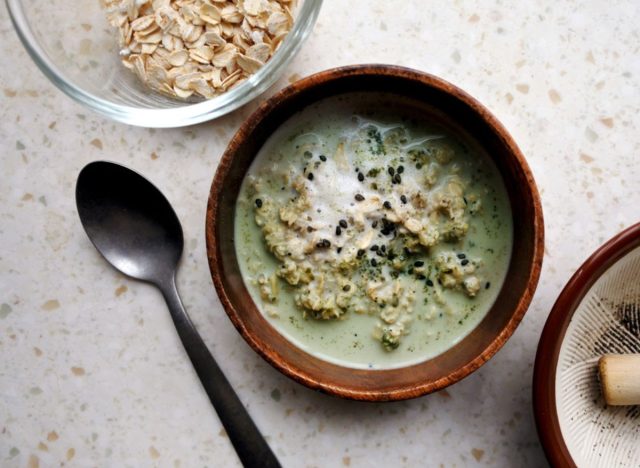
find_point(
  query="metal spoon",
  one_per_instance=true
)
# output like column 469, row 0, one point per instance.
column 134, row 227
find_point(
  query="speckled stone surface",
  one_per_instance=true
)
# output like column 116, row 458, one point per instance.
column 91, row 370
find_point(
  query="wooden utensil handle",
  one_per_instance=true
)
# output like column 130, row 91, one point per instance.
column 620, row 378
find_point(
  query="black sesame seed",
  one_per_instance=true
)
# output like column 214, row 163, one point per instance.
column 308, row 155
column 488, row 285
column 323, row 157
column 464, row 262
column 343, row 223
column 387, row 205
column 391, row 171
column 339, row 249
column 400, row 169
column 323, row 244
column 359, row 197
column 461, row 256
column 259, row 202
column 410, row 271
column 360, row 253
column 397, row 179
column 380, row 253
column 419, row 263
column 403, row 199
column 421, row 277
column 418, row 166
column 338, row 231
column 346, row 287
column 310, row 229
column 383, row 248
column 360, row 176
column 429, row 282
column 374, row 224
column 310, row 176
column 374, row 262
column 374, row 247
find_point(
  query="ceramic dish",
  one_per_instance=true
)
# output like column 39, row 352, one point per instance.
column 441, row 101
column 597, row 313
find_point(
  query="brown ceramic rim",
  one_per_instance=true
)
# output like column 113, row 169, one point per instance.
column 304, row 374
column 544, row 374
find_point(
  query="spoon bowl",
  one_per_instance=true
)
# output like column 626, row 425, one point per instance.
column 129, row 221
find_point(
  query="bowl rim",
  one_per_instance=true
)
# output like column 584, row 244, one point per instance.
column 184, row 115
column 553, row 333
column 343, row 389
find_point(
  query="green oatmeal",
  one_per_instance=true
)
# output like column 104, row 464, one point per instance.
column 370, row 237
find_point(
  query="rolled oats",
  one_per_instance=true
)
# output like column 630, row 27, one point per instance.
column 186, row 48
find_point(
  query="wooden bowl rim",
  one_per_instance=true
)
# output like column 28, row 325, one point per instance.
column 343, row 389
column 548, row 352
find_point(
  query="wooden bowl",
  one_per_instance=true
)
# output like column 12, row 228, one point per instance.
column 574, row 424
column 447, row 103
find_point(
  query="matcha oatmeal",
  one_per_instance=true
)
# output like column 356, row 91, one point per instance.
column 370, row 237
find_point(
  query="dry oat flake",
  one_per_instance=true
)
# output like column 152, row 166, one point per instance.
column 201, row 48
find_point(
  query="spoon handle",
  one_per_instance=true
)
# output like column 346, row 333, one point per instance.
column 250, row 446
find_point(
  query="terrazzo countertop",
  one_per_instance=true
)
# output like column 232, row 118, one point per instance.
column 92, row 372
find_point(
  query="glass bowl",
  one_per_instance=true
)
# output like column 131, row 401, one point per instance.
column 77, row 49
